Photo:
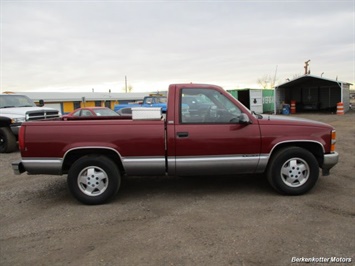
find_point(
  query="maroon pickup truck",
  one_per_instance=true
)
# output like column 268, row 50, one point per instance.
column 205, row 132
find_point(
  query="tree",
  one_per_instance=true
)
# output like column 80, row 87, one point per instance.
column 266, row 82
column 128, row 89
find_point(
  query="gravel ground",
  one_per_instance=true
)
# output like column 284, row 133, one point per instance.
column 183, row 221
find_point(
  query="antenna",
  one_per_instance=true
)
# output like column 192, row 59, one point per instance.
column 125, row 82
column 273, row 82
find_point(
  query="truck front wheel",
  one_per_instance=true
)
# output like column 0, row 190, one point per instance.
column 293, row 171
column 94, row 179
column 7, row 140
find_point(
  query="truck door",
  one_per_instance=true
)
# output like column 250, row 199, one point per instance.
column 210, row 137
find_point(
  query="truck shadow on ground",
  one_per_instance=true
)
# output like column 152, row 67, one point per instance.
column 140, row 186
column 55, row 190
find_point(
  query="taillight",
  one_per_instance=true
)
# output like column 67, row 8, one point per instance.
column 21, row 138
column 333, row 141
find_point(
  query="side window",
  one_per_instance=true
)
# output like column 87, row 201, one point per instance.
column 149, row 100
column 86, row 113
column 207, row 106
column 77, row 113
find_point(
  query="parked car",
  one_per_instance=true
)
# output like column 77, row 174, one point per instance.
column 91, row 111
column 195, row 105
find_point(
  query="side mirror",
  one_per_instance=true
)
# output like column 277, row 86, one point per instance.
column 244, row 119
column 41, row 103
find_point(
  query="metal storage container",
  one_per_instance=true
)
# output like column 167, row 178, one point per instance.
column 146, row 113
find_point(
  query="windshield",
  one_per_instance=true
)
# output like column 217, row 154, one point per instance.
column 11, row 101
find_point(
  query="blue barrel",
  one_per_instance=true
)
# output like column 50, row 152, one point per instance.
column 286, row 109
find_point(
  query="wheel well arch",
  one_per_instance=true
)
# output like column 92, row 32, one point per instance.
column 315, row 148
column 73, row 155
column 5, row 121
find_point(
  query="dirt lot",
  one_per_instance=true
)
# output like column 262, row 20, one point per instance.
column 182, row 221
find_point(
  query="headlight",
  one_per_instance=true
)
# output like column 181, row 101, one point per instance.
column 17, row 120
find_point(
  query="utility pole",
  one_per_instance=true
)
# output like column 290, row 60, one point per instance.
column 306, row 67
column 125, row 80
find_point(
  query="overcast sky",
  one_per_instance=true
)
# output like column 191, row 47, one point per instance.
column 80, row 45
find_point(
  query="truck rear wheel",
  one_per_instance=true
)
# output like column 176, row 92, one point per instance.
column 7, row 140
column 293, row 171
column 94, row 179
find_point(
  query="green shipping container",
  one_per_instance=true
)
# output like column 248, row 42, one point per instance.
column 268, row 101
column 234, row 93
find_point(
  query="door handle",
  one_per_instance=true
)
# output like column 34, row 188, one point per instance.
column 182, row 134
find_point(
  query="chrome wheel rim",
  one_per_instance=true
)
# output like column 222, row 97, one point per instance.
column 295, row 172
column 93, row 181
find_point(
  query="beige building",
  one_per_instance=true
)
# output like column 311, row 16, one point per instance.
column 66, row 102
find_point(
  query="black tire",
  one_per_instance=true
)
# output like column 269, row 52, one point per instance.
column 94, row 179
column 8, row 141
column 293, row 171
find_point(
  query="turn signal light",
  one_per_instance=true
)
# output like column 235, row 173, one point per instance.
column 333, row 141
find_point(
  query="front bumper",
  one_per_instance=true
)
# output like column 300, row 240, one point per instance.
column 15, row 128
column 330, row 160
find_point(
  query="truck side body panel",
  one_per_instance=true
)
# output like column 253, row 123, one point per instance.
column 139, row 155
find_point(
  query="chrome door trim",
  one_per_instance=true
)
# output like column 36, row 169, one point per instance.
column 217, row 164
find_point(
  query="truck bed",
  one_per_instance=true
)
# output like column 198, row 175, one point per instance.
column 123, row 135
